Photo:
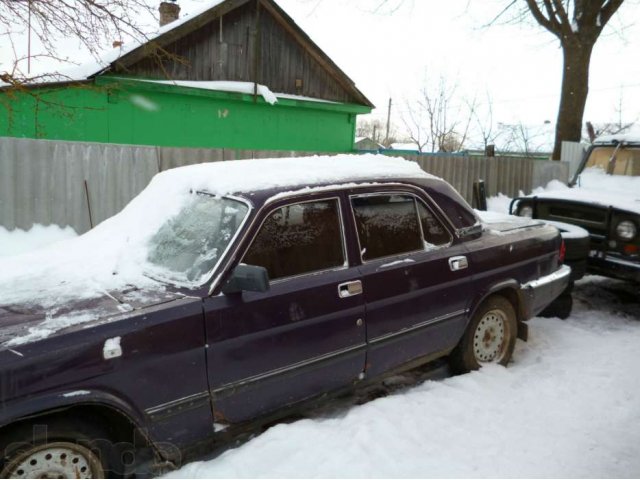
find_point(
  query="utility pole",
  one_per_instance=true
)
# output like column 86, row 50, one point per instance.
column 386, row 138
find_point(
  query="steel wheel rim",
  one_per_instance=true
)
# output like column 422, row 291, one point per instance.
column 55, row 460
column 489, row 339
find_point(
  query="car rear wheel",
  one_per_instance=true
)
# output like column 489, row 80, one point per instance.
column 490, row 336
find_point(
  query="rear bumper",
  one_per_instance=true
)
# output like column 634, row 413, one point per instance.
column 614, row 267
column 537, row 294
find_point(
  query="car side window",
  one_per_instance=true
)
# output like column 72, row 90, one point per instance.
column 387, row 225
column 298, row 239
column 435, row 234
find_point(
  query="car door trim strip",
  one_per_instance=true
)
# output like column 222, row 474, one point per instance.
column 178, row 406
column 417, row 326
column 231, row 388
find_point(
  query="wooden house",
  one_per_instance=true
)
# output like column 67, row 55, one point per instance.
column 241, row 74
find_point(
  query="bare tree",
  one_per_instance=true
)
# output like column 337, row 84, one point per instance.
column 96, row 24
column 482, row 114
column 577, row 24
column 375, row 129
column 620, row 125
column 438, row 121
column 522, row 139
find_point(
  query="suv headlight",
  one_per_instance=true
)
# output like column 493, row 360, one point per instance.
column 525, row 211
column 626, row 230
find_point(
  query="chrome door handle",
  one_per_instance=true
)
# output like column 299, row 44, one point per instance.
column 349, row 289
column 458, row 263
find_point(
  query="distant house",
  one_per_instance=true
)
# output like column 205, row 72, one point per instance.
column 240, row 75
column 366, row 143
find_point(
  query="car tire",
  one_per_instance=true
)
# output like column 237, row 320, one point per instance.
column 490, row 336
column 57, row 448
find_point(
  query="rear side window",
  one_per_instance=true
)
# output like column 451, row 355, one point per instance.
column 434, row 232
column 299, row 239
column 396, row 224
column 387, row 225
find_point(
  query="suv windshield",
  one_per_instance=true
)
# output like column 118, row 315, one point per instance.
column 188, row 246
column 615, row 160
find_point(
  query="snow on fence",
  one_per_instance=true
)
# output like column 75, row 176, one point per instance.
column 82, row 184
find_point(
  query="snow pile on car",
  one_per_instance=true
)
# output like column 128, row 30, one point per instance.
column 113, row 255
column 17, row 241
column 594, row 186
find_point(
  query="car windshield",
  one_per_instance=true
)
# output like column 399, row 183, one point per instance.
column 188, row 247
column 615, row 160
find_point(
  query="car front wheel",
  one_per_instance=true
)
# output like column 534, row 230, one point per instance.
column 55, row 460
column 490, row 336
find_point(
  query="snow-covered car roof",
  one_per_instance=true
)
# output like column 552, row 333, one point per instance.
column 632, row 137
column 111, row 255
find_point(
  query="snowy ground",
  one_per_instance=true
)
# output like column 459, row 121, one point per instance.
column 18, row 241
column 567, row 406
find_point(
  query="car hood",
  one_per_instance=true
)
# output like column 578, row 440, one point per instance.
column 626, row 201
column 21, row 324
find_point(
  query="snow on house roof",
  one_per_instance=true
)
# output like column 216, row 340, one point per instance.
column 98, row 65
column 404, row 146
column 223, row 86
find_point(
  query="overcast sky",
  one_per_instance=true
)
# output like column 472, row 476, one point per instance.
column 389, row 51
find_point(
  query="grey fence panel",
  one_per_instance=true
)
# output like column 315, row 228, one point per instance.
column 572, row 153
column 43, row 181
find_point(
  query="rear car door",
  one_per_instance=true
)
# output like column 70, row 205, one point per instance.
column 415, row 275
column 303, row 336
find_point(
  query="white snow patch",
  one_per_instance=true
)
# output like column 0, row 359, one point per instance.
column 398, row 262
column 49, row 326
column 111, row 348
column 289, row 96
column 568, row 230
column 144, row 103
column 631, row 137
column 596, row 187
column 77, row 393
column 223, row 86
column 499, row 203
column 14, row 242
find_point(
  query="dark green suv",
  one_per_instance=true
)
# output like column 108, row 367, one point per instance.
column 604, row 199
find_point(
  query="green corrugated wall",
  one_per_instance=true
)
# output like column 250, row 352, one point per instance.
column 130, row 111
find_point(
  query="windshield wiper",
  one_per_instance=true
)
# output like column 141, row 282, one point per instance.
column 612, row 160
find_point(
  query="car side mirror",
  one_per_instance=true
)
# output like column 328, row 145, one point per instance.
column 250, row 278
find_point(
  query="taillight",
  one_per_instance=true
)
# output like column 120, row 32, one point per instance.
column 563, row 251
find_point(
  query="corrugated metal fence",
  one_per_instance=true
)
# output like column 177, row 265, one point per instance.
column 82, row 184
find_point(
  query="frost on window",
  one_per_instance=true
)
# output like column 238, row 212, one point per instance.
column 299, row 239
column 387, row 225
column 434, row 232
column 188, row 246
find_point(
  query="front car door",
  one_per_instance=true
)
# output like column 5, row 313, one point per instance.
column 304, row 336
column 416, row 282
